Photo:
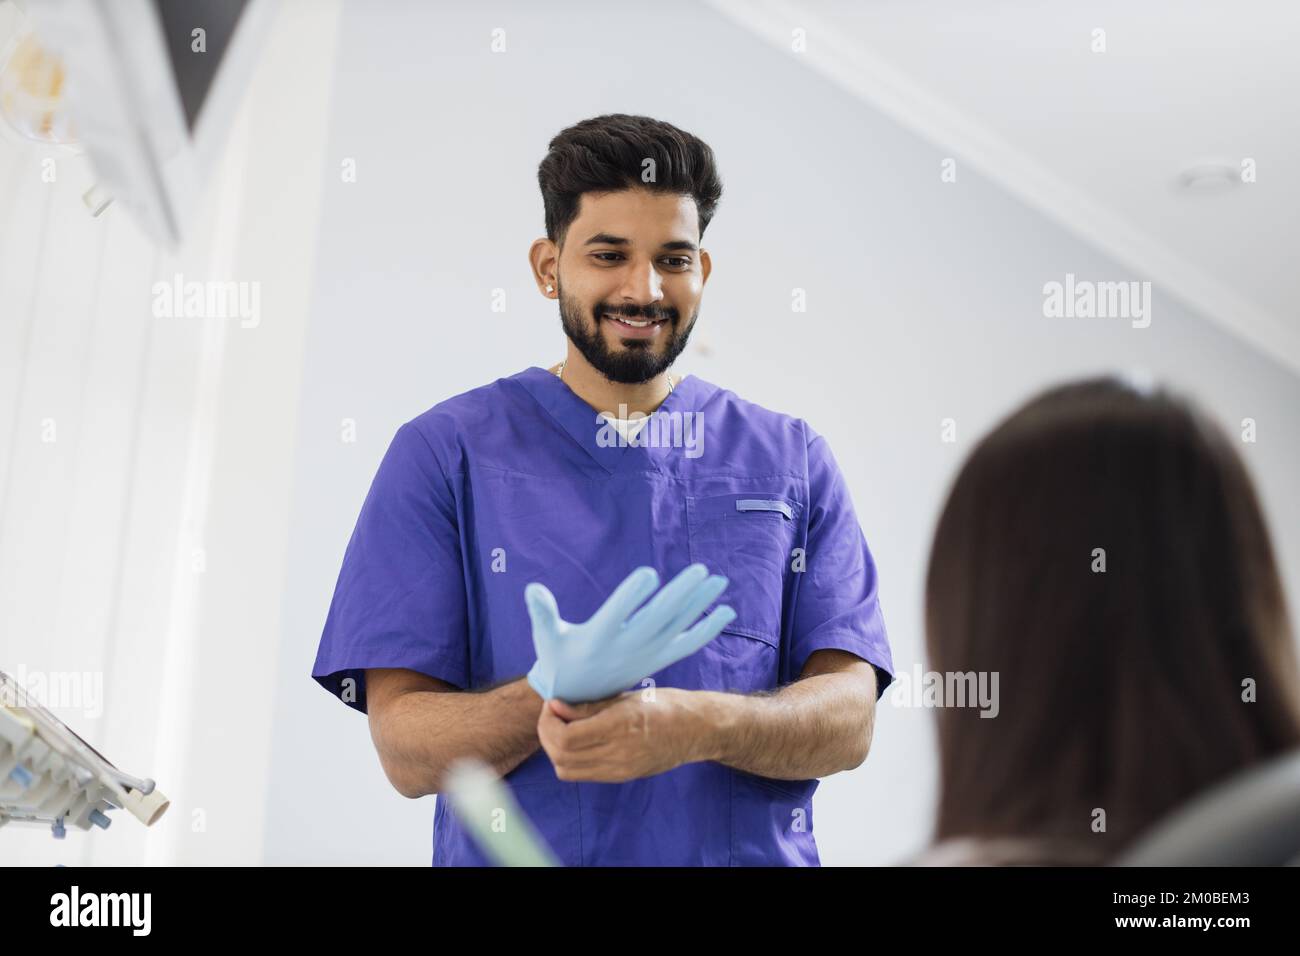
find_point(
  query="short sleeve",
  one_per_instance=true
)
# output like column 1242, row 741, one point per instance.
column 400, row 596
column 838, row 603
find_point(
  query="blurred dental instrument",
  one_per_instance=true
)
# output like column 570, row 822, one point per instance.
column 489, row 810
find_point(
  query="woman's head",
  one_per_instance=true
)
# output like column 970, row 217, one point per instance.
column 1103, row 551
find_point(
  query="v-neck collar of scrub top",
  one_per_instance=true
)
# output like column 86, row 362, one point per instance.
column 580, row 420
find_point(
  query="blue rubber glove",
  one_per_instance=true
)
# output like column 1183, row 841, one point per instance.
column 612, row 651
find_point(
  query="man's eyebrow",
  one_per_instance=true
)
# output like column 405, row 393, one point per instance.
column 605, row 239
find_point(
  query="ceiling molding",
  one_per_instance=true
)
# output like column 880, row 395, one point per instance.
column 866, row 75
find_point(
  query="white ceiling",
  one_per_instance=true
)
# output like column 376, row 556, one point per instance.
column 1098, row 141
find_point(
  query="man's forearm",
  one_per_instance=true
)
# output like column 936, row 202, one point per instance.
column 424, row 731
column 814, row 727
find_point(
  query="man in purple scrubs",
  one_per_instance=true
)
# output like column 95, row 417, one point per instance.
column 714, row 760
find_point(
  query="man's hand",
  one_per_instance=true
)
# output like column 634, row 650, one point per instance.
column 819, row 725
column 624, row 737
column 619, row 645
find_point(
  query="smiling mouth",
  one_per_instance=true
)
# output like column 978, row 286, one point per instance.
column 633, row 323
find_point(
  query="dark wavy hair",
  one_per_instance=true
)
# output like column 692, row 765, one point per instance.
column 1123, row 689
column 608, row 154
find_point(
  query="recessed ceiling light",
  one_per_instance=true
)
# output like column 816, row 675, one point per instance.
column 1209, row 177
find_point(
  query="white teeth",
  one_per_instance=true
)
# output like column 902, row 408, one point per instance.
column 632, row 322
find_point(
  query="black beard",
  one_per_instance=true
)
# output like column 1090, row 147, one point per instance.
column 635, row 363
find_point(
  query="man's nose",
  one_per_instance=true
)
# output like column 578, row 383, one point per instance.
column 642, row 285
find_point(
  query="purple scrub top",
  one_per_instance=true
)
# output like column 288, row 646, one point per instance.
column 516, row 482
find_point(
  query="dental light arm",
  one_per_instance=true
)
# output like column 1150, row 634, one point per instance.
column 49, row 776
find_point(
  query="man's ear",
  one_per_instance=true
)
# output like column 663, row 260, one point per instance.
column 543, row 256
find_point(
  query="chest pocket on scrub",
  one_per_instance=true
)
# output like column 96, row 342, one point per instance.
column 748, row 538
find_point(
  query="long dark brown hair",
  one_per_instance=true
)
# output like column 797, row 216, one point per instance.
column 1125, row 690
